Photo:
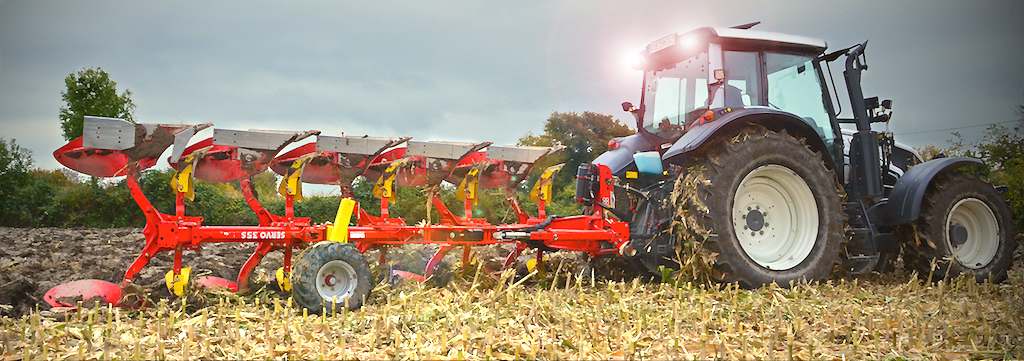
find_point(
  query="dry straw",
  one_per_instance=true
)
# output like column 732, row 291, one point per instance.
column 483, row 316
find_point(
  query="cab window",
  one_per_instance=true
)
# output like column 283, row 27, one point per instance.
column 742, row 87
column 676, row 96
column 793, row 86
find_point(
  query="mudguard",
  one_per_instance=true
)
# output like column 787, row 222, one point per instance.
column 770, row 118
column 905, row 200
column 620, row 158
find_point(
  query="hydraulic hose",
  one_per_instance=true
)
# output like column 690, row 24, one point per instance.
column 538, row 226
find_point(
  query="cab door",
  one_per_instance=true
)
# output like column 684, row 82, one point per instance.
column 794, row 87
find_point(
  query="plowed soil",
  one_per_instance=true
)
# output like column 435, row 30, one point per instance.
column 33, row 260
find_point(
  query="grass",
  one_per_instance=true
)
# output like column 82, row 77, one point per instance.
column 480, row 316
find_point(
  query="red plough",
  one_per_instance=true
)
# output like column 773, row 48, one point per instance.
column 326, row 272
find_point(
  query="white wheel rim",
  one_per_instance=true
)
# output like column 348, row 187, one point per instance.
column 788, row 215
column 982, row 240
column 336, row 280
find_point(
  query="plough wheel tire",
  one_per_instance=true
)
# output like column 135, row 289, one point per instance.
column 331, row 271
column 771, row 209
column 965, row 220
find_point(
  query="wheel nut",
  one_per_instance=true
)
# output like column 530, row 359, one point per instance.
column 762, row 233
column 753, row 234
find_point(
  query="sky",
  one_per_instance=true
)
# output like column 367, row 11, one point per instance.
column 471, row 70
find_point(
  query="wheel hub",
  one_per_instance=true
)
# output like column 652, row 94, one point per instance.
column 785, row 240
column 957, row 235
column 973, row 232
column 755, row 220
column 337, row 280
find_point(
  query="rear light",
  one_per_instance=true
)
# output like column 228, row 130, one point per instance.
column 613, row 144
column 708, row 115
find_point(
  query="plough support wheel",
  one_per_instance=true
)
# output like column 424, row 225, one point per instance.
column 329, row 276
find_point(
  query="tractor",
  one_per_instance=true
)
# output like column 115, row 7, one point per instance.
column 739, row 148
column 738, row 157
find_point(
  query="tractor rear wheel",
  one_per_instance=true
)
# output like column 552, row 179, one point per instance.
column 965, row 228
column 767, row 206
column 330, row 275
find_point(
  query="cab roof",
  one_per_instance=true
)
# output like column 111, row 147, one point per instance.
column 796, row 42
column 668, row 50
column 765, row 36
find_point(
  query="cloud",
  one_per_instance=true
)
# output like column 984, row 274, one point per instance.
column 465, row 70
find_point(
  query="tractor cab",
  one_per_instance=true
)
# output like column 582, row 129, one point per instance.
column 700, row 76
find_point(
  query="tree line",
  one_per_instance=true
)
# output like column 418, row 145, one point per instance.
column 31, row 197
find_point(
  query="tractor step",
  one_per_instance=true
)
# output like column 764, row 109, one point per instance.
column 860, row 264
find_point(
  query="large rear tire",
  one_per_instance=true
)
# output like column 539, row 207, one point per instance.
column 330, row 275
column 965, row 228
column 767, row 206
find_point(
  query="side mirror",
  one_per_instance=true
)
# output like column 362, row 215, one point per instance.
column 871, row 103
column 627, row 107
column 887, row 104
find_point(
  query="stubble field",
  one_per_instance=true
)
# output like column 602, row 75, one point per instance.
column 482, row 314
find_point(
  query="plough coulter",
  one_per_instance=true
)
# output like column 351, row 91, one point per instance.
column 330, row 268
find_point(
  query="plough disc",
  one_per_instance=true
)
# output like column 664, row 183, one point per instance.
column 68, row 294
column 96, row 162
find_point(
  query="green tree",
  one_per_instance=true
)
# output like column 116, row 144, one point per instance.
column 92, row 92
column 1001, row 150
column 585, row 136
column 14, row 160
column 15, row 167
column 930, row 150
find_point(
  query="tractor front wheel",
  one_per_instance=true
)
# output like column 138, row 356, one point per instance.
column 767, row 206
column 965, row 228
column 331, row 276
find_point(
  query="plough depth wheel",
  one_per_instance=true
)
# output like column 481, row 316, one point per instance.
column 327, row 274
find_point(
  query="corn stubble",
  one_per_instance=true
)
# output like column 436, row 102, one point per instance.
column 549, row 316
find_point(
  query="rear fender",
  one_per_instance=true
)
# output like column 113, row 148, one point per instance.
column 773, row 119
column 904, row 204
column 618, row 159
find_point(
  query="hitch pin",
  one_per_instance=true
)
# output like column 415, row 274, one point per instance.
column 511, row 235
